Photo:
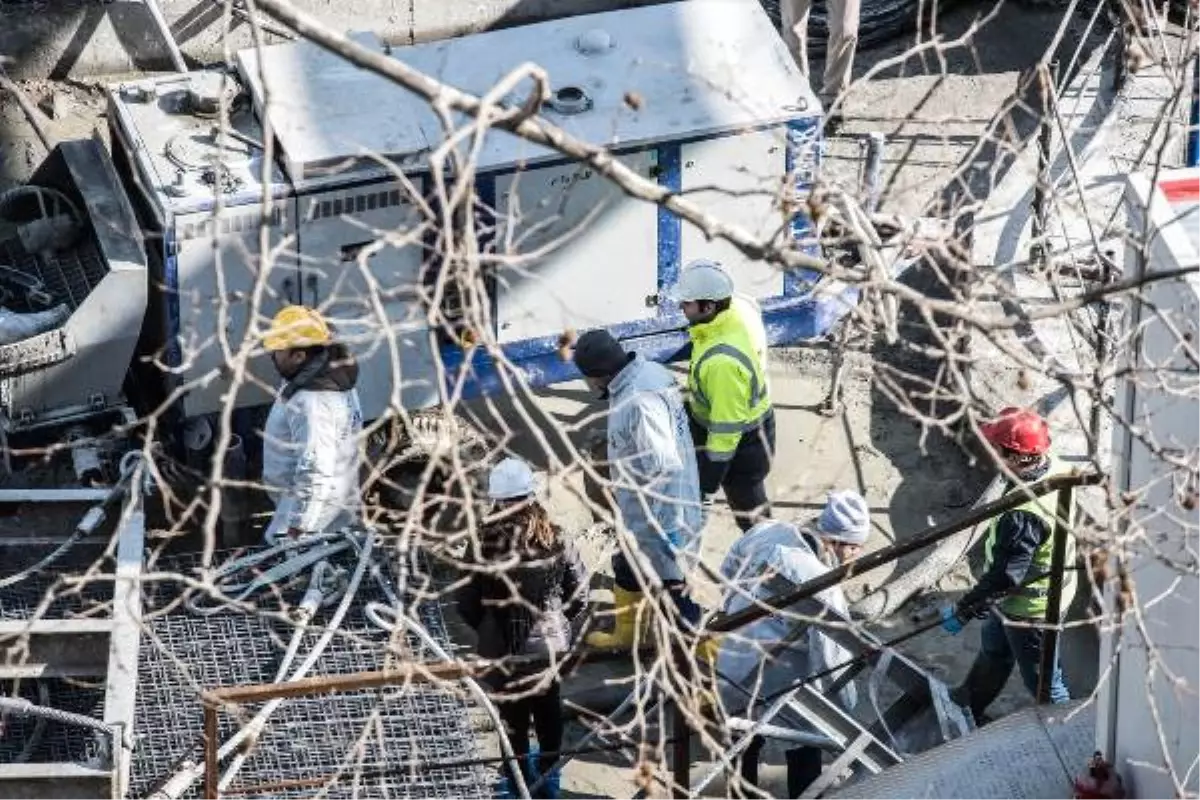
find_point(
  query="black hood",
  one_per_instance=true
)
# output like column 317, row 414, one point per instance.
column 332, row 370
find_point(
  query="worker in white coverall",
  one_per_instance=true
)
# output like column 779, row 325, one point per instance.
column 842, row 16
column 654, row 479
column 311, row 439
column 768, row 656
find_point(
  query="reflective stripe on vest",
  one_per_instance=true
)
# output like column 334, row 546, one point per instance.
column 1031, row 601
column 726, row 336
column 757, row 392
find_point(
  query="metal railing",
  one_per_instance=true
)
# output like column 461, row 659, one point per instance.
column 1065, row 485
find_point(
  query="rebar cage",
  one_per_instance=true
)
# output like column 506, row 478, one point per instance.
column 410, row 741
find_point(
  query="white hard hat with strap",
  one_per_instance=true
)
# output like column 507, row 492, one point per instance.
column 703, row 279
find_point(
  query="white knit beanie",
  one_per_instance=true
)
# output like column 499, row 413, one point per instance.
column 846, row 518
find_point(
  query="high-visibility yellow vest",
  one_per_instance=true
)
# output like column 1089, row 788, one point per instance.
column 1030, row 601
column 727, row 386
column 750, row 313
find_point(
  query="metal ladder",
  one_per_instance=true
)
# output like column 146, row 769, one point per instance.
column 860, row 747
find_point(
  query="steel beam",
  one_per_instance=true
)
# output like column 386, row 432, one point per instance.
column 51, row 648
column 80, row 495
column 120, row 691
column 54, row 780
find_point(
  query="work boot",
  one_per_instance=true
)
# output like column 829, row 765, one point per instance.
column 706, row 659
column 983, row 684
column 626, row 608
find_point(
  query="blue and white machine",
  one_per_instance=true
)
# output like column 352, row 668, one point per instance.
column 700, row 96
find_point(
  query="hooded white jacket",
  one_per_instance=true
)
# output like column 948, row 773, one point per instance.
column 772, row 557
column 311, row 448
column 652, row 466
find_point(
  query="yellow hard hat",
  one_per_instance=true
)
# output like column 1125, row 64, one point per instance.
column 296, row 327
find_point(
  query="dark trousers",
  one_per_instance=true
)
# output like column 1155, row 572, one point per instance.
column 803, row 766
column 1001, row 648
column 745, row 482
column 545, row 712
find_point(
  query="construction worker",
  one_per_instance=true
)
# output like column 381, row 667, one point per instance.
column 524, row 608
column 311, row 439
column 842, row 18
column 769, row 553
column 1018, row 546
column 729, row 403
column 653, row 478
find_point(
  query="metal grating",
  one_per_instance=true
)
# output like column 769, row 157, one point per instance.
column 43, row 595
column 68, row 276
column 29, row 740
column 361, row 744
column 1032, row 753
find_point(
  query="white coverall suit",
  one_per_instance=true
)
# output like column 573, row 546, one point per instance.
column 761, row 563
column 310, row 453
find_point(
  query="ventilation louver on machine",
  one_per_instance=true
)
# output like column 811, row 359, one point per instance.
column 72, row 283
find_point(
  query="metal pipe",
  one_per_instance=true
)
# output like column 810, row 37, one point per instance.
column 873, row 171
column 35, row 118
column 1058, row 557
column 168, row 38
column 886, row 555
column 211, row 764
column 1038, row 249
column 1120, row 70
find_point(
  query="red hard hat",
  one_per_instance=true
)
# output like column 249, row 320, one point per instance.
column 1020, row 430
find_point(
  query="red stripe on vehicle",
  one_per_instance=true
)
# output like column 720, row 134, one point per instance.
column 1181, row 191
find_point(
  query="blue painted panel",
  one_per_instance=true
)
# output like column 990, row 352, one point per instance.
column 485, row 190
column 787, row 320
column 670, row 227
column 802, row 160
column 171, row 292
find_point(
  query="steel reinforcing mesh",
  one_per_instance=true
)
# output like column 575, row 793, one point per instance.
column 377, row 743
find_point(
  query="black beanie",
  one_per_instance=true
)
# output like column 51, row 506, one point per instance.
column 599, row 355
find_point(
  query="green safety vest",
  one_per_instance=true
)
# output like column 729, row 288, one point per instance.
column 1031, row 601
column 727, row 387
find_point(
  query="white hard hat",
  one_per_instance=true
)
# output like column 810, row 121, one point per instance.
column 846, row 518
column 703, row 279
column 510, row 479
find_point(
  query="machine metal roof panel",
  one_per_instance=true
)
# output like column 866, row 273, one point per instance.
column 672, row 71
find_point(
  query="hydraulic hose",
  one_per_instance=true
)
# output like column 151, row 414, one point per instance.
column 183, row 780
column 92, row 519
column 39, row 727
column 379, row 615
column 313, row 599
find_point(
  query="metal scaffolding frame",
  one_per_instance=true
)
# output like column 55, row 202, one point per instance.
column 83, row 665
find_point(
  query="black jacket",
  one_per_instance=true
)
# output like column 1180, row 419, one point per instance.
column 526, row 607
column 333, row 369
column 1018, row 536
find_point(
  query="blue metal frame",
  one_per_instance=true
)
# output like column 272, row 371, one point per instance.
column 1193, row 137
column 171, row 292
column 795, row 315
